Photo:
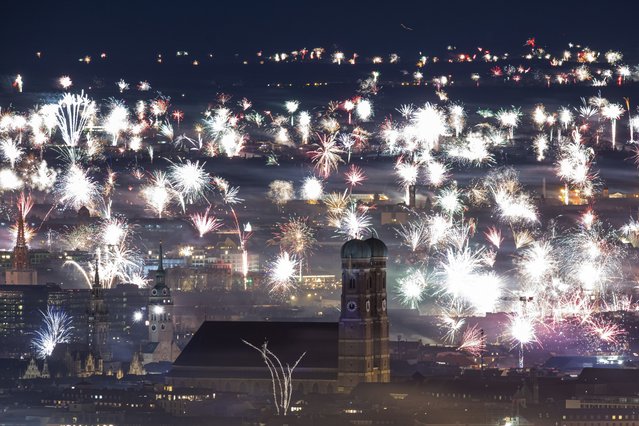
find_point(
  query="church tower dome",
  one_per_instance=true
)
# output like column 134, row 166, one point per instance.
column 363, row 324
column 377, row 246
column 356, row 249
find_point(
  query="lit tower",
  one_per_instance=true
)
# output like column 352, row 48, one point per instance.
column 363, row 323
column 98, row 316
column 160, row 310
column 21, row 272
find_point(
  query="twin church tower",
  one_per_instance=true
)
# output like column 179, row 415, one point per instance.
column 363, row 324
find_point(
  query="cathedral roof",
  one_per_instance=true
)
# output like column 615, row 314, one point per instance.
column 356, row 249
column 364, row 249
column 378, row 248
column 219, row 344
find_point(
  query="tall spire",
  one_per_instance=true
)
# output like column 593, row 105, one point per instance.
column 96, row 278
column 159, row 273
column 160, row 265
column 20, row 251
column 20, row 240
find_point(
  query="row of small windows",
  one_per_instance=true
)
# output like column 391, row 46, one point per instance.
column 600, row 417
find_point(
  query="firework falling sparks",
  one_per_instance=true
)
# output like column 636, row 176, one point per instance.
column 541, row 144
column 117, row 263
column 312, row 189
column 612, row 112
column 296, row 236
column 282, row 273
column 56, row 328
column 463, row 276
column 354, row 176
column 354, row 223
column 77, row 189
column 521, row 329
column 411, row 288
column 573, row 167
column 473, row 341
column 493, row 235
column 190, row 180
column 452, row 320
column 280, row 192
column 606, row 331
column 281, row 378
column 414, row 234
column 159, row 194
column 428, row 124
column 511, row 203
column 364, row 109
column 73, row 114
column 117, row 121
column 326, row 157
column 11, row 151
column 230, row 194
column 509, row 119
column 204, row 223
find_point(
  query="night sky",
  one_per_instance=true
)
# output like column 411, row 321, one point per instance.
column 228, row 27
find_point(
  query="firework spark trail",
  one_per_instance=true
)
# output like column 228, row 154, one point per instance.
column 229, row 195
column 118, row 261
column 428, row 124
column 159, row 194
column 522, row 332
column 411, row 288
column 327, row 156
column 354, row 223
column 354, row 176
column 573, row 167
column 56, row 328
column 117, row 121
column 606, row 331
column 204, row 223
column 282, row 273
column 509, row 119
column 298, row 237
column 190, row 180
column 11, row 151
column 493, row 235
column 473, row 341
column 281, row 378
column 414, row 234
column 73, row 114
column 612, row 112
column 77, row 189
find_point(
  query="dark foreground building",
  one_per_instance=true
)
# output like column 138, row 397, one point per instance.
column 338, row 356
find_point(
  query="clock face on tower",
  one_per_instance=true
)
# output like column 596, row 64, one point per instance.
column 351, row 306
